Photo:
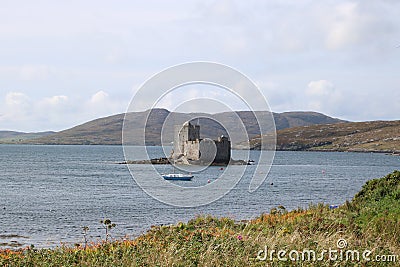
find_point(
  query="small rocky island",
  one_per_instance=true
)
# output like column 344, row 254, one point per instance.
column 190, row 149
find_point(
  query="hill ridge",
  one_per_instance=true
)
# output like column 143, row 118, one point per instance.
column 369, row 136
column 107, row 130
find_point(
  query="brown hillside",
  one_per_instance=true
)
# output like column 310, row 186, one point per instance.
column 374, row 136
column 108, row 130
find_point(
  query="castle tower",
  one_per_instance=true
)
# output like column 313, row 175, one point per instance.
column 183, row 135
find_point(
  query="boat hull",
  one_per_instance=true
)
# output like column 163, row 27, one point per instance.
column 177, row 177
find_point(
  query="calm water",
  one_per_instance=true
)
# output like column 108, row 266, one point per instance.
column 48, row 193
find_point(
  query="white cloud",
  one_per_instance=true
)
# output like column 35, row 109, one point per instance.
column 344, row 26
column 99, row 98
column 101, row 104
column 322, row 96
column 55, row 100
column 34, row 72
column 16, row 108
column 21, row 112
column 361, row 23
column 200, row 98
column 320, row 88
column 279, row 98
column 16, row 99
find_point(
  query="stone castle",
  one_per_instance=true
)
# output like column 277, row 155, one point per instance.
column 189, row 148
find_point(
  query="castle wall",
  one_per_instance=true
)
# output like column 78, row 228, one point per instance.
column 193, row 132
column 192, row 149
column 187, row 142
column 178, row 137
column 208, row 151
column 223, row 150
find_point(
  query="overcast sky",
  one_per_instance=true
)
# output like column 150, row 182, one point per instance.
column 66, row 62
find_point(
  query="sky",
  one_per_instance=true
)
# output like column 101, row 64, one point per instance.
column 63, row 63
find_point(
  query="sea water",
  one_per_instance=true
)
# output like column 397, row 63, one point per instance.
column 48, row 193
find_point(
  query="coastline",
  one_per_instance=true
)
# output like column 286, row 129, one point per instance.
column 395, row 152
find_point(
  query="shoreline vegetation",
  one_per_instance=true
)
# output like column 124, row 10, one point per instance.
column 370, row 222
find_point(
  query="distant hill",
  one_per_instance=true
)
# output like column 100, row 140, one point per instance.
column 15, row 137
column 108, row 130
column 373, row 136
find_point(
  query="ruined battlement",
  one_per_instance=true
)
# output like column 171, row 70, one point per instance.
column 189, row 148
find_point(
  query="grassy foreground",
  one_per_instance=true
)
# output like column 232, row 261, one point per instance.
column 370, row 222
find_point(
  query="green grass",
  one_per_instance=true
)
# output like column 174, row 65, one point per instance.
column 371, row 221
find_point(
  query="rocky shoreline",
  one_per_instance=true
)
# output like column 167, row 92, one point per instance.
column 167, row 161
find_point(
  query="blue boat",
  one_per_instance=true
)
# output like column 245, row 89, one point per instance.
column 177, row 177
